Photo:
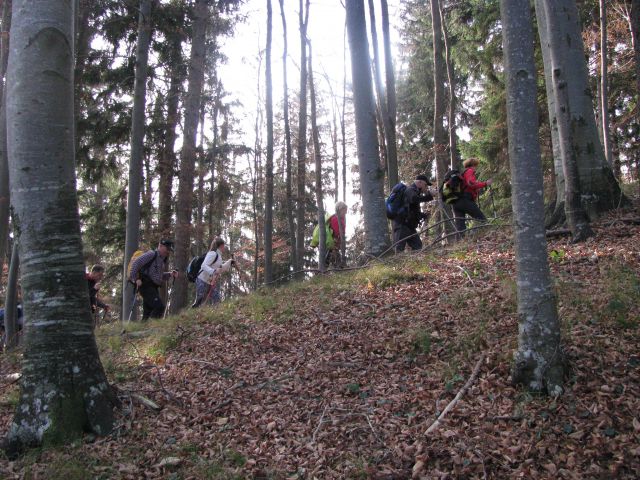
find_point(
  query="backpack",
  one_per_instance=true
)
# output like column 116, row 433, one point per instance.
column 394, row 203
column 145, row 268
column 195, row 266
column 329, row 240
column 452, row 186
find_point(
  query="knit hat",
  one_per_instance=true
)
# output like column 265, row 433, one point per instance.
column 424, row 178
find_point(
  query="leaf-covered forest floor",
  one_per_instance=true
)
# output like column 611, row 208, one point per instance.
column 341, row 376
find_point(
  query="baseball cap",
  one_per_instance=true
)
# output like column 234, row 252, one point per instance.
column 167, row 243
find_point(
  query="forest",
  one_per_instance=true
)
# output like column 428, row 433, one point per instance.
column 313, row 239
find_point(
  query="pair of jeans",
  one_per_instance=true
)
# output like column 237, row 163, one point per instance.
column 463, row 206
column 207, row 293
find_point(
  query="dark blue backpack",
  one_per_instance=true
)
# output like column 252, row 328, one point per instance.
column 396, row 208
column 195, row 266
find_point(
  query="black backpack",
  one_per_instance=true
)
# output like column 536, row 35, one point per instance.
column 452, row 186
column 395, row 202
column 195, row 266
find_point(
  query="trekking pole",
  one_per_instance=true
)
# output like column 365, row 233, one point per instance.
column 166, row 308
column 134, row 303
column 493, row 203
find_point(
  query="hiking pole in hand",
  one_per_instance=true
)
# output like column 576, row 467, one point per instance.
column 166, row 308
column 134, row 304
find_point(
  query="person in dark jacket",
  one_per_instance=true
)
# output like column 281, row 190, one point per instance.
column 405, row 226
column 467, row 202
column 93, row 281
column 147, row 272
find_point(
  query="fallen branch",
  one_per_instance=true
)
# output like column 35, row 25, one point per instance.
column 562, row 232
column 147, row 402
column 453, row 402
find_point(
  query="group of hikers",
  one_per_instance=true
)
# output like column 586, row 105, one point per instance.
column 148, row 271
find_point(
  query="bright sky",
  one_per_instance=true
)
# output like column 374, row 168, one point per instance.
column 242, row 78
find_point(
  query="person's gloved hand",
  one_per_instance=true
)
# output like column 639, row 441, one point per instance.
column 424, row 216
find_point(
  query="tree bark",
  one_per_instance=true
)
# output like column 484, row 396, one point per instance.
column 322, row 250
column 303, row 20
column 11, row 303
column 184, row 206
column 538, row 362
column 287, row 139
column 376, row 227
column 454, row 157
column 64, row 390
column 390, row 121
column 4, row 162
column 132, row 232
column 268, row 201
column 600, row 190
column 604, row 87
column 635, row 39
column 575, row 213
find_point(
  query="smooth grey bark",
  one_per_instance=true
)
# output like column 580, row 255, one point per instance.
column 600, row 190
column 376, row 227
column 303, row 21
column 287, row 139
column 390, row 120
column 317, row 154
column 64, row 390
column 4, row 163
column 574, row 211
column 11, row 302
column 132, row 231
column 604, row 87
column 343, row 129
column 538, row 362
column 184, row 206
column 454, row 157
column 268, row 191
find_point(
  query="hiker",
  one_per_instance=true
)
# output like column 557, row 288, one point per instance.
column 406, row 225
column 93, row 281
column 466, row 203
column 337, row 221
column 147, row 272
column 207, row 283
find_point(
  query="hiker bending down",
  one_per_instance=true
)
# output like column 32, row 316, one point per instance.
column 207, row 283
column 406, row 222
column 93, row 282
column 147, row 272
column 466, row 203
column 338, row 225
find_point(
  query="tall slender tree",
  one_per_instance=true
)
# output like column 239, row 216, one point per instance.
column 64, row 390
column 4, row 162
column 390, row 89
column 137, row 145
column 303, row 21
column 287, row 140
column 268, row 201
column 635, row 39
column 454, row 159
column 317, row 154
column 604, row 86
column 538, row 362
column 371, row 176
column 188, row 154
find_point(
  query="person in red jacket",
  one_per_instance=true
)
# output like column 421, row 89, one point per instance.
column 467, row 202
column 337, row 223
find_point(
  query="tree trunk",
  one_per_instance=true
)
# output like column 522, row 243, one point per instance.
column 303, row 20
column 576, row 216
column 635, row 39
column 454, row 157
column 4, row 162
column 184, row 206
column 137, row 144
column 64, row 390
column 287, row 139
column 600, row 190
column 538, row 362
column 390, row 120
column 268, row 201
column 604, row 88
column 439, row 134
column 167, row 157
column 376, row 227
column 322, row 250
column 10, row 310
